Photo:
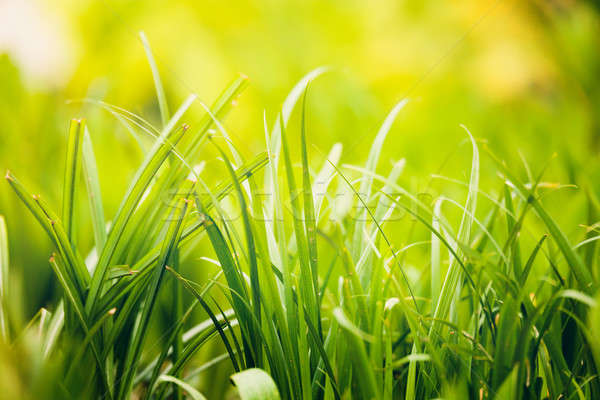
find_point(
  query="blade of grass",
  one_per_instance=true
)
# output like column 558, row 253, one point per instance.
column 224, row 255
column 309, row 212
column 511, row 224
column 90, row 173
column 54, row 329
column 274, row 141
column 160, row 91
column 72, row 171
column 65, row 247
column 367, row 182
column 307, row 286
column 324, row 177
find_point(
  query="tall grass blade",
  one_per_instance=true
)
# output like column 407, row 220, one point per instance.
column 90, row 173
column 367, row 182
column 160, row 91
column 72, row 171
column 308, row 288
column 309, row 208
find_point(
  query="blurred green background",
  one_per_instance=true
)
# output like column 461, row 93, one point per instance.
column 523, row 76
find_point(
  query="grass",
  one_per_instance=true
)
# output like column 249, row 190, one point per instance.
column 311, row 299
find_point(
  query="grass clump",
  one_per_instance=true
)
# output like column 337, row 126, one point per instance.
column 310, row 299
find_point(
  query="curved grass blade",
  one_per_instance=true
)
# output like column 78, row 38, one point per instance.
column 324, row 177
column 189, row 389
column 54, row 329
column 367, row 182
column 255, row 384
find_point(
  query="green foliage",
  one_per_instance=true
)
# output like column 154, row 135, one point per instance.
column 390, row 297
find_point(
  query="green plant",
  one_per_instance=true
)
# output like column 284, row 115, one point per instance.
column 311, row 300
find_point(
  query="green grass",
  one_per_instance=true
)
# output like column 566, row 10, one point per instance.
column 482, row 296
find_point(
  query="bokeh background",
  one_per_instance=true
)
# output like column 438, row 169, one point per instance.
column 523, row 76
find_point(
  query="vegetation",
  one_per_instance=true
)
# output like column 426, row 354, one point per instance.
column 329, row 283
